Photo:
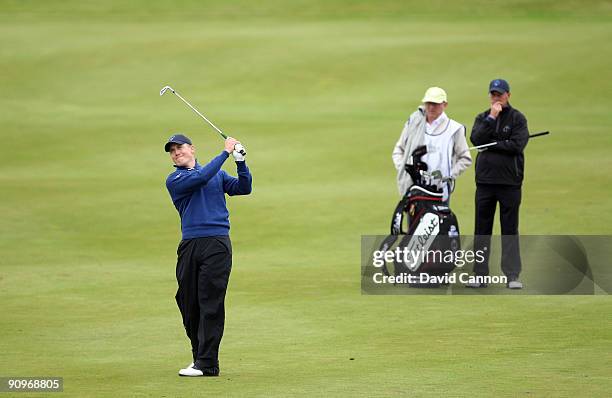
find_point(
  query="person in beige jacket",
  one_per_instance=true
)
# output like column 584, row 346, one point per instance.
column 447, row 149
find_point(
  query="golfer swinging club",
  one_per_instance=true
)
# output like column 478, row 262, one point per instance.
column 205, row 252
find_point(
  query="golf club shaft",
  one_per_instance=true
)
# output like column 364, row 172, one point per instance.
column 539, row 134
column 495, row 143
column 238, row 147
column 199, row 114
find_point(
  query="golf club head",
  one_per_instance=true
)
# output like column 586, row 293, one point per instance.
column 166, row 88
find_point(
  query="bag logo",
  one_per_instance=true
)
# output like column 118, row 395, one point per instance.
column 423, row 237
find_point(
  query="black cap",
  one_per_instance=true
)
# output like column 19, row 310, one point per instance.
column 499, row 85
column 177, row 139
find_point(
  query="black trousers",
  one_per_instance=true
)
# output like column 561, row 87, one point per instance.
column 202, row 272
column 509, row 199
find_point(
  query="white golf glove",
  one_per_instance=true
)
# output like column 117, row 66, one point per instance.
column 239, row 153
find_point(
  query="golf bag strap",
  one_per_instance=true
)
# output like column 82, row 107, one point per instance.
column 398, row 216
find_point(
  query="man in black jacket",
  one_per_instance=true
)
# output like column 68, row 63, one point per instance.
column 499, row 176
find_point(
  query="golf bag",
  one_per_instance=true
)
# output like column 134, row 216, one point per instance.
column 432, row 228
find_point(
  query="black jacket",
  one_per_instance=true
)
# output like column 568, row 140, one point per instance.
column 503, row 163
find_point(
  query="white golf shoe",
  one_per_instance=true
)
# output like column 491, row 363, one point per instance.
column 190, row 371
column 515, row 284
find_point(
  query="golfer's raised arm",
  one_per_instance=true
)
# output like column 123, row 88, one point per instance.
column 241, row 185
column 186, row 182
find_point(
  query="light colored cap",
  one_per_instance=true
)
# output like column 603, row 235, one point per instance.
column 435, row 94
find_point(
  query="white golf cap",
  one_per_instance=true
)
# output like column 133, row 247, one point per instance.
column 435, row 95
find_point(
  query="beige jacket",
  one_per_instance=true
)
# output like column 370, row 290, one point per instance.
column 413, row 136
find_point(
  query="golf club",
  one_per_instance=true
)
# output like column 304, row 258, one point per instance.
column 479, row 147
column 238, row 147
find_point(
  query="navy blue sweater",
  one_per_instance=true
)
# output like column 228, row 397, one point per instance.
column 199, row 196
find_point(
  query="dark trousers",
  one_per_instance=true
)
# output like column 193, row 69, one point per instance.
column 509, row 199
column 202, row 271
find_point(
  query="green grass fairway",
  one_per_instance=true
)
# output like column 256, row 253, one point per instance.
column 318, row 91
